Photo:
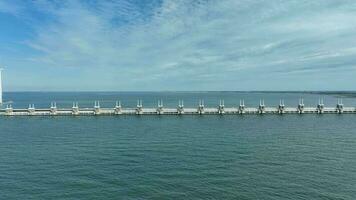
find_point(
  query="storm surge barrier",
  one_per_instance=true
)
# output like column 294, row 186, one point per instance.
column 200, row 109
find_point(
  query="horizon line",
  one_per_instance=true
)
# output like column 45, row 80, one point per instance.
column 271, row 91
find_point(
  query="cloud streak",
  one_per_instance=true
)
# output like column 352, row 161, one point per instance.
column 193, row 45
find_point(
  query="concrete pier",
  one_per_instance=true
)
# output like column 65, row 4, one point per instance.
column 201, row 109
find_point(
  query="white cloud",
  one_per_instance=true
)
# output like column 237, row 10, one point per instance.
column 216, row 42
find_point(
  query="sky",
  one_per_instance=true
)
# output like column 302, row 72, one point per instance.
column 178, row 45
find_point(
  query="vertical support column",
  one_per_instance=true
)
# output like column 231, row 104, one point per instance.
column 139, row 107
column 118, row 110
column 180, row 108
column 53, row 110
column 320, row 107
column 242, row 107
column 339, row 106
column 97, row 108
column 201, row 107
column 261, row 107
column 301, row 106
column 31, row 109
column 75, row 108
column 160, row 107
column 9, row 109
column 281, row 107
column 221, row 108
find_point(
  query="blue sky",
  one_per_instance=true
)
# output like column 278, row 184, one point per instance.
column 174, row 45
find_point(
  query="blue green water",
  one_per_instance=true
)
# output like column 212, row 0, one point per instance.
column 177, row 157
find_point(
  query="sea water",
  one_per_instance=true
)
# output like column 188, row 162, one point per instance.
column 177, row 157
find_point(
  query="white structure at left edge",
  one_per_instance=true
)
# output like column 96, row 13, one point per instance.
column 1, row 85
